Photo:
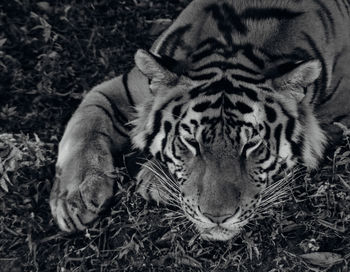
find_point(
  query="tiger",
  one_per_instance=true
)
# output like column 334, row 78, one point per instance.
column 229, row 98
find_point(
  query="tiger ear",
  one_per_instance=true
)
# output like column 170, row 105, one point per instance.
column 154, row 68
column 296, row 80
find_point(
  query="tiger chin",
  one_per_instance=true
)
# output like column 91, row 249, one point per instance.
column 229, row 101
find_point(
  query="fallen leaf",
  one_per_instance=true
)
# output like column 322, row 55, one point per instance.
column 322, row 259
column 45, row 6
column 2, row 41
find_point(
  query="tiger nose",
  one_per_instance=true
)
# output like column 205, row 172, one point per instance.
column 219, row 219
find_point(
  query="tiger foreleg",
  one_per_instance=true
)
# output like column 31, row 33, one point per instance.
column 84, row 182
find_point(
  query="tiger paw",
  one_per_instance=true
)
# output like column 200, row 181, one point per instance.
column 76, row 204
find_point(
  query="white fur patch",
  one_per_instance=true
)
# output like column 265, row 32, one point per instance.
column 314, row 142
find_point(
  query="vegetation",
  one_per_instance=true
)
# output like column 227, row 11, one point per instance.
column 51, row 53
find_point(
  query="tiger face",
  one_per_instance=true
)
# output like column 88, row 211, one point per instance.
column 226, row 141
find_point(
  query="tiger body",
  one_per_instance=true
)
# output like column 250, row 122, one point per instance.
column 230, row 95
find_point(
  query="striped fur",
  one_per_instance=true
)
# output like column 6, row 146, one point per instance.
column 230, row 96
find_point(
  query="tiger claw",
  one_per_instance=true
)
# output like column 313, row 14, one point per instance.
column 74, row 208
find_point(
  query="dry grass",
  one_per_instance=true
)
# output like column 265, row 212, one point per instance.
column 50, row 56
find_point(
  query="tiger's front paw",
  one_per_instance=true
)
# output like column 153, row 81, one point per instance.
column 75, row 204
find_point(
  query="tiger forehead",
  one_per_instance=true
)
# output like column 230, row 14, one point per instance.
column 236, row 103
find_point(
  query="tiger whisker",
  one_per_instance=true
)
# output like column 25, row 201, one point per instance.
column 169, row 186
column 160, row 173
column 170, row 200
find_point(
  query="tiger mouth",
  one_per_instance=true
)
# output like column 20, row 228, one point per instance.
column 219, row 233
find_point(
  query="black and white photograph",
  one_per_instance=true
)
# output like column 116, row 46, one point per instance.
column 175, row 135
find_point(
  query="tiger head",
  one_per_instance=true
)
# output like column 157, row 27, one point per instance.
column 226, row 140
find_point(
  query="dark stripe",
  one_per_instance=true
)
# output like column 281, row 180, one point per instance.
column 186, row 128
column 339, row 7
column 177, row 111
column 227, row 21
column 168, row 63
column 225, row 66
column 269, row 13
column 159, row 156
column 266, row 89
column 167, row 159
column 270, row 114
column 324, row 76
column 226, row 53
column 194, row 144
column 241, row 90
column 334, row 90
column 248, row 79
column 202, row 106
column 268, row 132
column 212, row 42
column 194, row 123
column 243, row 108
column 157, row 119
column 233, row 18
column 110, row 117
column 198, row 56
column 269, row 100
column 249, row 53
column 228, row 104
column 271, row 167
column 179, row 40
column 174, row 151
column 224, row 85
column 217, row 104
column 223, row 27
column 328, row 14
column 183, row 146
column 296, row 147
column 172, row 41
column 127, row 90
column 250, row 93
column 210, row 121
column 167, row 128
column 277, row 135
column 323, row 20
column 267, row 155
column 174, row 147
column 290, row 129
column 298, row 53
column 302, row 53
column 207, row 76
column 336, row 59
column 347, row 6
column 246, row 69
column 121, row 118
column 246, row 147
column 339, row 118
column 68, row 219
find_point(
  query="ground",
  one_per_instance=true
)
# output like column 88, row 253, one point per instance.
column 51, row 53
